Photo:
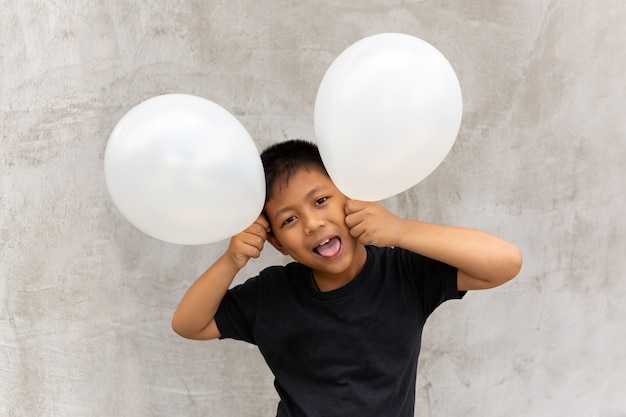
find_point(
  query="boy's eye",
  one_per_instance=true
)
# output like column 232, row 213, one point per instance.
column 289, row 220
column 321, row 200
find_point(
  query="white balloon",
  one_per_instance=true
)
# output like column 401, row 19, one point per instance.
column 184, row 170
column 387, row 113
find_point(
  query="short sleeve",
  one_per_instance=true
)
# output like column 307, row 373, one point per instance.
column 236, row 314
column 436, row 282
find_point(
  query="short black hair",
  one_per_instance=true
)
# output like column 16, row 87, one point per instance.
column 283, row 159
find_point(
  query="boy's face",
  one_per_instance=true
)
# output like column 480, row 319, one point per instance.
column 307, row 217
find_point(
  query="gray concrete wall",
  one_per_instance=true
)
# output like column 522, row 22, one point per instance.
column 540, row 160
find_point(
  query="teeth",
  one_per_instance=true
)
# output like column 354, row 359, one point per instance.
column 324, row 242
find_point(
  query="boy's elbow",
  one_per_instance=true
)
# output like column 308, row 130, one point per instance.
column 177, row 327
column 505, row 268
column 183, row 329
column 180, row 327
column 513, row 264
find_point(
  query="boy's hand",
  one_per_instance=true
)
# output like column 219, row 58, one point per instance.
column 249, row 243
column 372, row 224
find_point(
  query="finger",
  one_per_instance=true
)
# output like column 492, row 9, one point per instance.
column 357, row 227
column 355, row 232
column 358, row 213
column 353, row 219
column 262, row 220
column 255, row 252
column 241, row 250
column 351, row 206
column 260, row 227
column 251, row 243
column 250, row 251
column 257, row 236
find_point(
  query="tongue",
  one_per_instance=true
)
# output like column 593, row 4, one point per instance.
column 329, row 249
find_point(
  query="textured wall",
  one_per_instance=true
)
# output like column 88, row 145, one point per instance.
column 540, row 160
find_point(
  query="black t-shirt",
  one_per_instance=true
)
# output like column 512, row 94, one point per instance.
column 348, row 352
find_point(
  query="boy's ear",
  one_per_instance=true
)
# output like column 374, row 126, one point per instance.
column 276, row 243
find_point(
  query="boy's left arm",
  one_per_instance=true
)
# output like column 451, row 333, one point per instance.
column 483, row 260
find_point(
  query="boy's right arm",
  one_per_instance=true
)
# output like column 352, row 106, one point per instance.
column 195, row 315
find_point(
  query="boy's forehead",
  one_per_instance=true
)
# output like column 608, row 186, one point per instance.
column 284, row 182
column 300, row 181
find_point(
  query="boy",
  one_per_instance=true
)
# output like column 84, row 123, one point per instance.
column 340, row 328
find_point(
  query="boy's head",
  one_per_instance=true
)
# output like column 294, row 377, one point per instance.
column 306, row 212
column 283, row 159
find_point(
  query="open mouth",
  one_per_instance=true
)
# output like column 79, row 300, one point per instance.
column 329, row 248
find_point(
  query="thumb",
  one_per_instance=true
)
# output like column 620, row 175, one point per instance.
column 352, row 206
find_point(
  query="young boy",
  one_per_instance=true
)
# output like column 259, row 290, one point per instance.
column 340, row 327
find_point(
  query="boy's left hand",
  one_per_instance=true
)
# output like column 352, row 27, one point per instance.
column 372, row 224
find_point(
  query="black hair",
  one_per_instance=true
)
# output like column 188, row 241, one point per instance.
column 283, row 159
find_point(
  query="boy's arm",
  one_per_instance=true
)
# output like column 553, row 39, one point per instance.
column 483, row 260
column 194, row 316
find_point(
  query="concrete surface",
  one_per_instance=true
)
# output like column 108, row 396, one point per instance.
column 540, row 160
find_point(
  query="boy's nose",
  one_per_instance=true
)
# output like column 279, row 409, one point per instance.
column 311, row 224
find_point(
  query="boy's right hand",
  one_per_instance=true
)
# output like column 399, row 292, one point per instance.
column 195, row 316
column 249, row 243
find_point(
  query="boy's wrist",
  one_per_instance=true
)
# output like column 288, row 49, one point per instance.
column 408, row 234
column 231, row 263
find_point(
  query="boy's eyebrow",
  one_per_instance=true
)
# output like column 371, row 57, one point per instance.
column 308, row 195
